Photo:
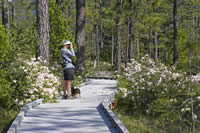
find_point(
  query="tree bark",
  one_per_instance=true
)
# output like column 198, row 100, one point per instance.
column 127, row 44
column 150, row 37
column 94, row 51
column 101, row 28
column 97, row 45
column 175, row 52
column 156, row 47
column 43, row 29
column 13, row 10
column 131, row 32
column 5, row 13
column 80, row 34
column 138, row 44
column 118, row 63
column 113, row 44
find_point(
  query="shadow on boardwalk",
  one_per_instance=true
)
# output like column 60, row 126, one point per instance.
column 72, row 116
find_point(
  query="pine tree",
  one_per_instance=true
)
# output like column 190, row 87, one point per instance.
column 80, row 34
column 175, row 52
column 43, row 29
column 5, row 13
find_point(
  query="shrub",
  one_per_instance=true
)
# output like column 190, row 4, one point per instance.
column 159, row 91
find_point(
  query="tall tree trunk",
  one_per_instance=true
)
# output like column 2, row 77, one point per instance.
column 80, row 33
column 138, row 44
column 97, row 45
column 118, row 54
column 5, row 13
column 131, row 32
column 43, row 28
column 13, row 10
column 113, row 43
column 175, row 52
column 150, row 37
column 118, row 63
column 101, row 28
column 156, row 46
column 94, row 47
column 165, row 58
column 127, row 43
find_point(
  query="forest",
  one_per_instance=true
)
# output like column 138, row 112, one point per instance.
column 151, row 47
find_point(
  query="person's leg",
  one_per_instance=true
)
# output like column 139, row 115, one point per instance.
column 69, row 86
column 65, row 87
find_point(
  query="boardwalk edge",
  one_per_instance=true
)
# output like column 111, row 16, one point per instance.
column 112, row 117
column 18, row 120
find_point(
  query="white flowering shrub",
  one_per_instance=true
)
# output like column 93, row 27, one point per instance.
column 43, row 84
column 157, row 90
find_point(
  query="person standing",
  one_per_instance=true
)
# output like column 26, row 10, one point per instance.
column 67, row 53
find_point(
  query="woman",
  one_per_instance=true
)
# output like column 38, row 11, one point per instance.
column 67, row 53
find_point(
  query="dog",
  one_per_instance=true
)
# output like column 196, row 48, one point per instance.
column 76, row 92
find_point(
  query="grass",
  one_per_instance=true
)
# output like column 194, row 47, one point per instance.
column 6, row 118
column 138, row 123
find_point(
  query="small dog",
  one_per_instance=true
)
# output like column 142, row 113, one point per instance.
column 76, row 93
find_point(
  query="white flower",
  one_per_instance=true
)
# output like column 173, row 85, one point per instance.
column 129, row 92
column 33, row 96
column 25, row 95
column 182, row 110
column 160, row 80
column 148, row 111
column 28, row 100
column 14, row 81
column 187, row 109
column 35, row 89
column 51, row 96
column 137, row 68
column 21, row 103
column 125, row 95
column 31, row 91
column 16, row 100
column 194, row 116
column 118, row 75
column 198, row 97
column 172, row 100
column 124, row 90
column 149, row 83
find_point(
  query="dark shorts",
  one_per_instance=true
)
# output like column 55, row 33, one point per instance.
column 68, row 74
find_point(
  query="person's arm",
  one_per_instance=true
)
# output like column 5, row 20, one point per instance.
column 72, row 52
column 66, row 55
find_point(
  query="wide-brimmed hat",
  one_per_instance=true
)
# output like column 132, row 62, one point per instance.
column 65, row 42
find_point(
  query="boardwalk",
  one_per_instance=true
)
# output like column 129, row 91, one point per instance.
column 72, row 116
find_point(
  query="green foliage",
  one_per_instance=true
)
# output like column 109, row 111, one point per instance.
column 24, row 40
column 6, row 118
column 59, row 30
column 24, row 12
column 5, row 50
column 138, row 123
column 152, row 89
